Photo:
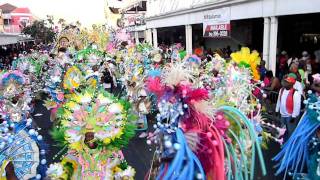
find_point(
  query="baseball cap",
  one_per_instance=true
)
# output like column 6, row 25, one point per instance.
column 291, row 78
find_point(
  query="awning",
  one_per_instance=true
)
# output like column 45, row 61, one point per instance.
column 130, row 5
column 114, row 10
column 6, row 39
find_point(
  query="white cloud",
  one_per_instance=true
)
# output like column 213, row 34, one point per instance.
column 87, row 12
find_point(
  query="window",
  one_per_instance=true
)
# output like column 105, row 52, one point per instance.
column 24, row 22
column 7, row 21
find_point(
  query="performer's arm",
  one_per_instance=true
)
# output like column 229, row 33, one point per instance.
column 10, row 175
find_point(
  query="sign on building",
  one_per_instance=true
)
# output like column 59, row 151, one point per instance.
column 216, row 23
column 133, row 19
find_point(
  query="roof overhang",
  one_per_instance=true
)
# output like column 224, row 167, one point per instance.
column 7, row 39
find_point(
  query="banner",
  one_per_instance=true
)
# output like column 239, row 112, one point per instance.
column 216, row 23
column 133, row 19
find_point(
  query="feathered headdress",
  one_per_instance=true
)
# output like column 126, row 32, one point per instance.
column 69, row 38
column 99, row 112
column 248, row 60
column 11, row 83
column 73, row 78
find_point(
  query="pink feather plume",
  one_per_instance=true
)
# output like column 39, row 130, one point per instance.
column 155, row 86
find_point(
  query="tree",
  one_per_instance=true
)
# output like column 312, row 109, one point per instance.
column 62, row 22
column 50, row 20
column 40, row 32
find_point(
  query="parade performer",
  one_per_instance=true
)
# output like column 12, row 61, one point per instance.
column 68, row 42
column 134, row 64
column 93, row 126
column 21, row 148
column 35, row 66
column 69, row 73
column 303, row 146
column 109, row 76
column 195, row 140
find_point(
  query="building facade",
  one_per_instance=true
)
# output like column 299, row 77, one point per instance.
column 1, row 22
column 15, row 18
column 133, row 19
column 238, row 21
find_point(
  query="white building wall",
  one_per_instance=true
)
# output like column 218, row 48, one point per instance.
column 244, row 9
column 163, row 7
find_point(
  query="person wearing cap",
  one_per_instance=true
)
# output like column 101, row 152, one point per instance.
column 289, row 102
column 295, row 73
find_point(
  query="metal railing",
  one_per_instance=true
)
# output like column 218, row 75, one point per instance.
column 269, row 105
column 271, row 100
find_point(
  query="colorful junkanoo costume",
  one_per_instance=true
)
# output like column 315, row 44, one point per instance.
column 93, row 126
column 195, row 139
column 303, row 146
column 208, row 128
column 19, row 142
column 34, row 65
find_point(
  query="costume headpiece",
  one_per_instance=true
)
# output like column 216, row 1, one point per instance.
column 69, row 38
column 12, row 83
column 196, row 136
column 95, row 111
column 19, row 142
column 94, row 120
column 249, row 60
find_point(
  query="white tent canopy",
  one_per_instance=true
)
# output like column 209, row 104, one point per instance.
column 6, row 39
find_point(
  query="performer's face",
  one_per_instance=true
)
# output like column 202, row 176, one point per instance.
column 89, row 140
column 64, row 42
column 215, row 73
column 15, row 99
